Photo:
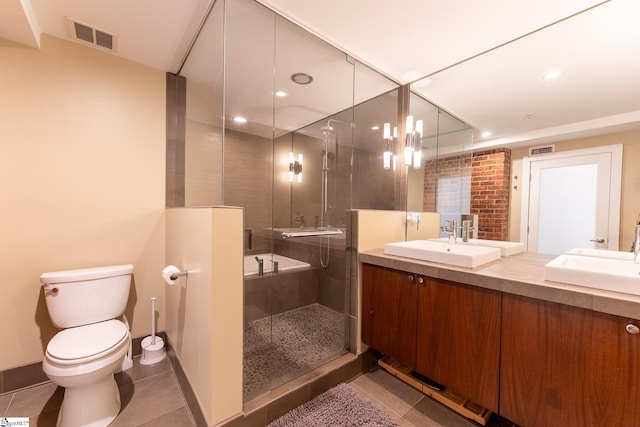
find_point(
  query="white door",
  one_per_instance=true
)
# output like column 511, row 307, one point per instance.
column 573, row 200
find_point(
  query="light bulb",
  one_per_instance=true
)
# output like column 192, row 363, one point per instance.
column 417, row 159
column 408, row 151
column 387, row 131
column 409, row 124
column 419, row 127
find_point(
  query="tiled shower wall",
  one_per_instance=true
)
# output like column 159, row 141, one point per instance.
column 175, row 160
column 490, row 176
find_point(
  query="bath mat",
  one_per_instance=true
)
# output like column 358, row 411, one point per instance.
column 340, row 406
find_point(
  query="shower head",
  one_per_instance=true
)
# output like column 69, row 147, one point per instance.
column 327, row 130
column 338, row 121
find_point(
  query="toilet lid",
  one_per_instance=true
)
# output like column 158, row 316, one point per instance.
column 86, row 341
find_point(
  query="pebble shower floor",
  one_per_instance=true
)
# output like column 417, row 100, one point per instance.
column 280, row 347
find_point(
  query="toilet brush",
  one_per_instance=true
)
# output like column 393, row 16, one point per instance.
column 152, row 346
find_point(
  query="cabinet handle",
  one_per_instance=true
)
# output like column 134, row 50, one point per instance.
column 632, row 329
column 410, row 277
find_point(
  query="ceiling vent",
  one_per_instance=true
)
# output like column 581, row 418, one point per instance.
column 87, row 34
column 544, row 149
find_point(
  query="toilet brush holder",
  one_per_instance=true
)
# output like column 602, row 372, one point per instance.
column 153, row 346
column 152, row 352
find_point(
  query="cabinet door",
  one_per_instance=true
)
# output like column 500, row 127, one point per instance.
column 459, row 338
column 567, row 366
column 389, row 312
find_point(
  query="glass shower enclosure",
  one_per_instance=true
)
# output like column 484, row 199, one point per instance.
column 275, row 123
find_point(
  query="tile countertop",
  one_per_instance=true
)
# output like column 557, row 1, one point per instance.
column 521, row 274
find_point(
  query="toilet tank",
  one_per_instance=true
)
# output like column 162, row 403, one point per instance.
column 89, row 295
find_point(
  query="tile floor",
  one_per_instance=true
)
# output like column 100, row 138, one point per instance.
column 409, row 407
column 151, row 396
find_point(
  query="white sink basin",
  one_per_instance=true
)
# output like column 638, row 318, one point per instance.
column 506, row 248
column 595, row 272
column 429, row 250
column 602, row 253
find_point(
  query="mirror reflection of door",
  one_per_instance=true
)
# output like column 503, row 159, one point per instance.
column 572, row 200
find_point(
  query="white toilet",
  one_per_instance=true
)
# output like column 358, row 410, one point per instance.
column 83, row 357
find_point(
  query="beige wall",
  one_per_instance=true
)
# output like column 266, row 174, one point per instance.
column 82, row 144
column 205, row 310
column 630, row 200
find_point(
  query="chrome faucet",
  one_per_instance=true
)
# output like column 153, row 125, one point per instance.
column 451, row 229
column 636, row 246
column 275, row 267
column 466, row 230
column 260, row 266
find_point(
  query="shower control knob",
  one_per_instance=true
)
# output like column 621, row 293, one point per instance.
column 410, row 277
column 632, row 329
column 420, row 280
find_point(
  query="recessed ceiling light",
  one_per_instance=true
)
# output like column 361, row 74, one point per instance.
column 301, row 78
column 239, row 119
column 281, row 93
column 486, row 134
column 375, row 127
column 552, row 74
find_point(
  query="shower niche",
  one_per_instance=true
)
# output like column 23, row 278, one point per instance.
column 281, row 123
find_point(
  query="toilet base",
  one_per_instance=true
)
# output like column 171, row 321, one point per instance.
column 93, row 406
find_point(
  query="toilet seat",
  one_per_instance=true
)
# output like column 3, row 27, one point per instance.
column 86, row 343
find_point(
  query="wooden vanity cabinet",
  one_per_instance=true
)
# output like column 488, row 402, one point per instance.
column 389, row 312
column 567, row 366
column 459, row 338
column 446, row 331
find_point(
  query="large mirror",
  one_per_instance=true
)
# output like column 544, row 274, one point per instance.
column 504, row 95
column 439, row 174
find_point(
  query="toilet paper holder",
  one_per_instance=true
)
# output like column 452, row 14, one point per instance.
column 171, row 274
column 174, row 276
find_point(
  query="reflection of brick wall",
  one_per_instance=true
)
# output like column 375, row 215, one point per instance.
column 490, row 192
column 491, row 171
column 449, row 167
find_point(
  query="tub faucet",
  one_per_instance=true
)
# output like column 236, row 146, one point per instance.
column 451, row 229
column 260, row 266
column 636, row 246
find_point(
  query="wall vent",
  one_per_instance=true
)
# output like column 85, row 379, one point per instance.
column 544, row 149
column 90, row 35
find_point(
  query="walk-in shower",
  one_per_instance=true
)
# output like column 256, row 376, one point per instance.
column 296, row 317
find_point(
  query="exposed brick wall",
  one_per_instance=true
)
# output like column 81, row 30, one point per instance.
column 490, row 192
column 490, row 172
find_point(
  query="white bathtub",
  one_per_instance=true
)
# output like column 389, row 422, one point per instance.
column 284, row 263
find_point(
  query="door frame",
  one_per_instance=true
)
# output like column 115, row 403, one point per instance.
column 615, row 188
